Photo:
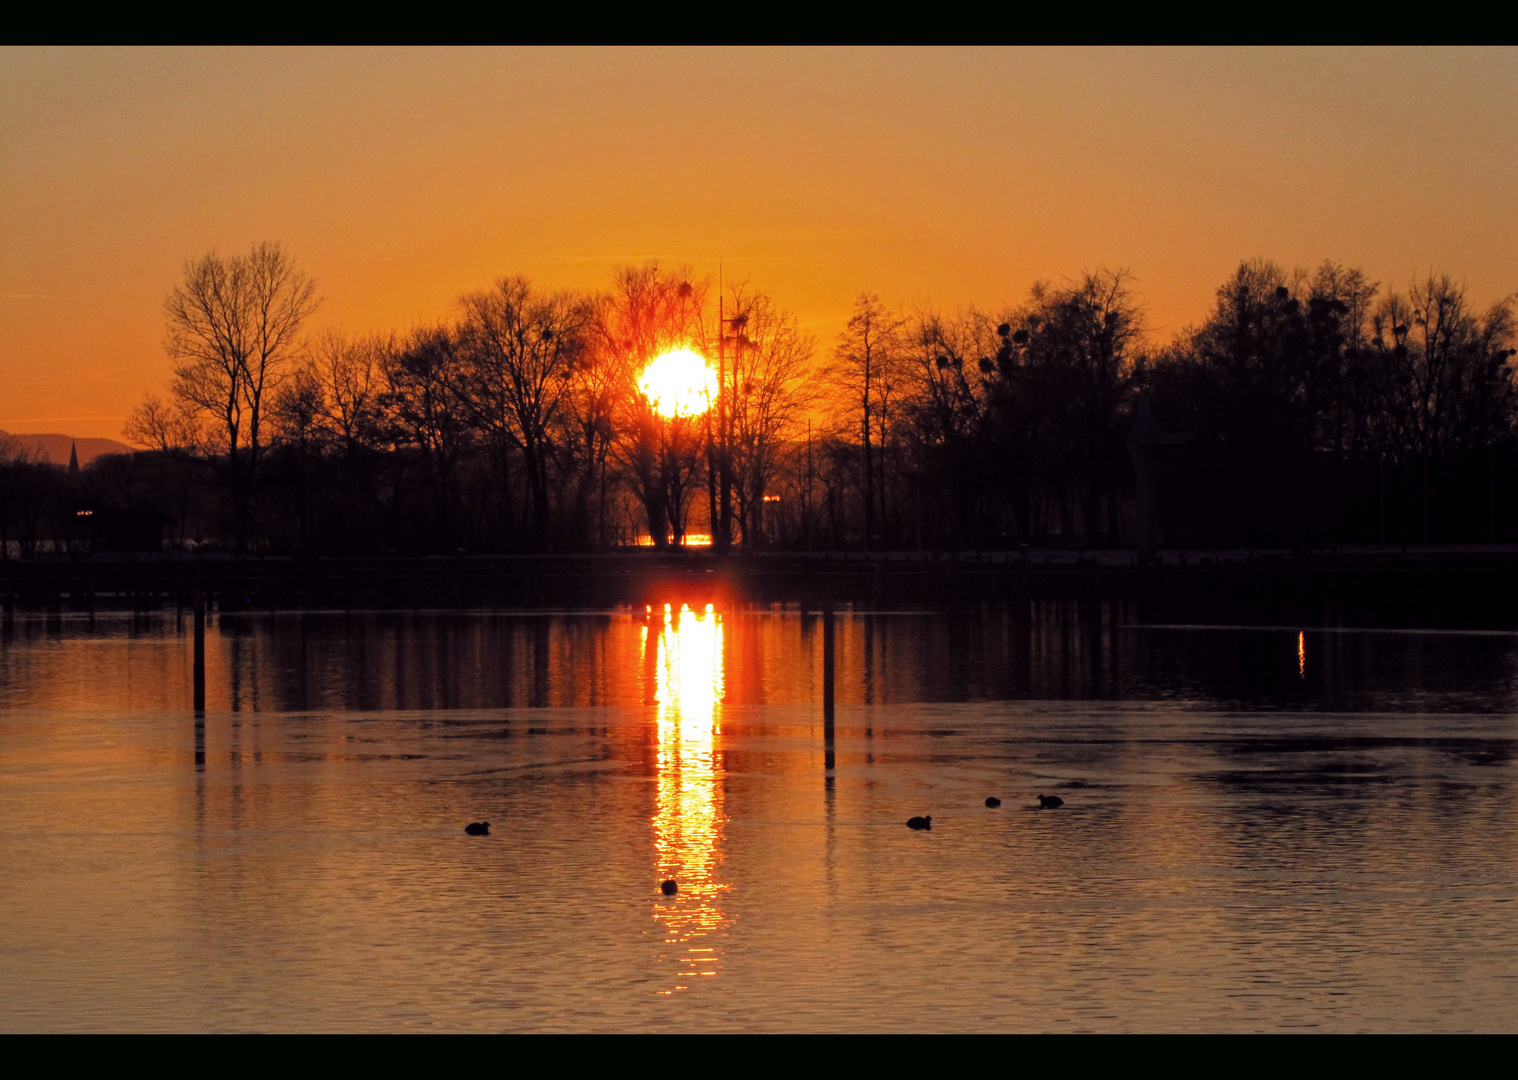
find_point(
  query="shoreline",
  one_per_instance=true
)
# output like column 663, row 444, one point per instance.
column 1436, row 587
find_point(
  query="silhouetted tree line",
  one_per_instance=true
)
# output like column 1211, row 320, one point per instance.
column 1308, row 407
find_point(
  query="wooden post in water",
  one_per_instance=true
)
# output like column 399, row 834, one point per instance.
column 827, row 682
column 200, row 653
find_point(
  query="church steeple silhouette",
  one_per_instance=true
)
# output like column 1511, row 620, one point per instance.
column 74, row 458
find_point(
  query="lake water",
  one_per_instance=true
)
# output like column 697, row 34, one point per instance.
column 1262, row 830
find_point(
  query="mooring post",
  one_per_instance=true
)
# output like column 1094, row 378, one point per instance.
column 200, row 653
column 827, row 680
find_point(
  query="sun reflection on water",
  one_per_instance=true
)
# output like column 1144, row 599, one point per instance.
column 686, row 662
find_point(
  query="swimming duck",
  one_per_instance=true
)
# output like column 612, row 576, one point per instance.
column 993, row 802
column 925, row 822
column 669, row 888
column 478, row 828
column 1049, row 802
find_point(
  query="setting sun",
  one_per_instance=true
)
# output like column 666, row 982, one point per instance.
column 678, row 383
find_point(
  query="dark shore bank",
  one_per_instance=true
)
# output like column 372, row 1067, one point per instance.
column 1473, row 587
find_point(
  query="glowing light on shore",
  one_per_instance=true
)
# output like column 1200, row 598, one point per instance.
column 678, row 383
column 692, row 539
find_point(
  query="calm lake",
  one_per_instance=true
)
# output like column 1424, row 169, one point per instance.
column 1262, row 829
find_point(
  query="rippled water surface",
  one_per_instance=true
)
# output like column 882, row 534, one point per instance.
column 1261, row 829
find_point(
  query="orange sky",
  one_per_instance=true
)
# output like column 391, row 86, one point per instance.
column 400, row 178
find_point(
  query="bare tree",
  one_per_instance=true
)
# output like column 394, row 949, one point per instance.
column 767, row 395
column 296, row 414
column 1087, row 338
column 329, row 421
column 866, row 376
column 348, row 374
column 947, row 405
column 650, row 311
column 1448, row 376
column 425, row 411
column 520, row 349
column 233, row 327
column 587, row 424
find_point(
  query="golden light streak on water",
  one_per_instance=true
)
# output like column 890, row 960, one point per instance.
column 297, row 861
column 688, row 818
column 1301, row 654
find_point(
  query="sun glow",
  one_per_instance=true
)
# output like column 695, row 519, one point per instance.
column 678, row 383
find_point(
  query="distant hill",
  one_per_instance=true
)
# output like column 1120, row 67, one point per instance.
column 55, row 448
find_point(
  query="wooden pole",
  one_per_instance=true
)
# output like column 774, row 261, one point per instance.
column 827, row 681
column 200, row 653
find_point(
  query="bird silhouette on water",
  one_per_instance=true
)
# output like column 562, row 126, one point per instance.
column 993, row 802
column 478, row 828
column 669, row 888
column 925, row 822
column 1049, row 802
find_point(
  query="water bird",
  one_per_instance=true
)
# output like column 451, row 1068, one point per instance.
column 993, row 802
column 925, row 822
column 478, row 828
column 1049, row 802
column 669, row 888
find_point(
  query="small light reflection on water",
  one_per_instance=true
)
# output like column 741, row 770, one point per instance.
column 684, row 651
